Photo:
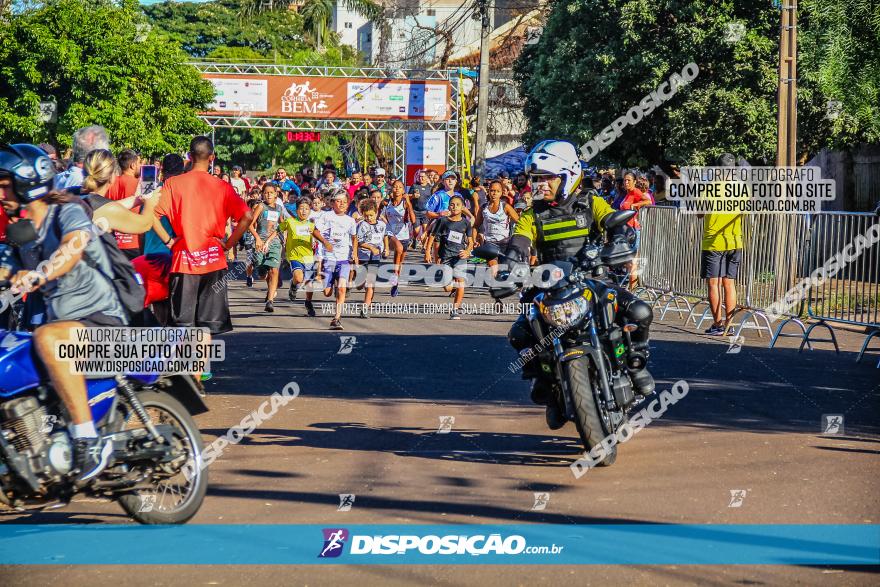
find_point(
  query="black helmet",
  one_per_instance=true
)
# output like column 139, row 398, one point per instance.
column 30, row 168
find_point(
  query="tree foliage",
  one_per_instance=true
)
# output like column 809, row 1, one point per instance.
column 235, row 31
column 840, row 62
column 226, row 29
column 598, row 58
column 101, row 65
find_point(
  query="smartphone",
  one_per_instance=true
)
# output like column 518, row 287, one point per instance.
column 149, row 178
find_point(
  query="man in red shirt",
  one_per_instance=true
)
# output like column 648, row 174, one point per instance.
column 125, row 186
column 199, row 205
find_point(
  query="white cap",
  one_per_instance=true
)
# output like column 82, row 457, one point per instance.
column 379, row 171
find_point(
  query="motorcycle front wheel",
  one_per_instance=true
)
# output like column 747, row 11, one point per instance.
column 173, row 498
column 588, row 420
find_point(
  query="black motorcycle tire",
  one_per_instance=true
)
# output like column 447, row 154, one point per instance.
column 131, row 503
column 587, row 418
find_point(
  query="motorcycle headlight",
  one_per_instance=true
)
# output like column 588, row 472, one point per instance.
column 565, row 314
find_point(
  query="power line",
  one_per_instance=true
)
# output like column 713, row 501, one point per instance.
column 440, row 38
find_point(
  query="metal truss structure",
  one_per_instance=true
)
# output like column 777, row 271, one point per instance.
column 397, row 128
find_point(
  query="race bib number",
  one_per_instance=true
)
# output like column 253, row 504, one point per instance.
column 455, row 237
column 375, row 238
column 303, row 230
column 272, row 215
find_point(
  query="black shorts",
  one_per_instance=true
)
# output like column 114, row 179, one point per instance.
column 459, row 266
column 132, row 254
column 720, row 263
column 200, row 300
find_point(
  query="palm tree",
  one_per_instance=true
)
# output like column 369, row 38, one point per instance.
column 316, row 13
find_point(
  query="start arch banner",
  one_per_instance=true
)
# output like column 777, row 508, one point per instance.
column 281, row 96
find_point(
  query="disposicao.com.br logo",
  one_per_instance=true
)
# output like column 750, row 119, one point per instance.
column 451, row 544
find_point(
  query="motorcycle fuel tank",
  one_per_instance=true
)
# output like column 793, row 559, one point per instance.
column 19, row 374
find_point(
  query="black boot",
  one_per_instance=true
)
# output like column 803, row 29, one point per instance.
column 542, row 392
column 555, row 418
column 643, row 381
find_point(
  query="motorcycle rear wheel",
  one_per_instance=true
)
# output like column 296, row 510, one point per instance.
column 149, row 507
column 589, row 422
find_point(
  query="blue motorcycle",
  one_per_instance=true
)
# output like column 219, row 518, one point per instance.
column 148, row 419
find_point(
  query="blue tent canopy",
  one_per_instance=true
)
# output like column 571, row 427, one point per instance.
column 512, row 162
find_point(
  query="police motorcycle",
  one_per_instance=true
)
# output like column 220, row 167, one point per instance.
column 582, row 351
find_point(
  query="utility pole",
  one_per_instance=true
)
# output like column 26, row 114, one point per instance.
column 785, row 225
column 483, row 96
column 786, row 98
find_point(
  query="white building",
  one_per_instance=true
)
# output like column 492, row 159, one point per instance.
column 353, row 29
column 410, row 40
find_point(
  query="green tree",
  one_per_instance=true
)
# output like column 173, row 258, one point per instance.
column 839, row 46
column 214, row 29
column 101, row 63
column 316, row 14
column 598, row 58
column 236, row 31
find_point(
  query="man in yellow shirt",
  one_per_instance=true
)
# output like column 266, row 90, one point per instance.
column 720, row 260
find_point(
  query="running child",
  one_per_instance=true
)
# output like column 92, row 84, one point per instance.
column 494, row 221
column 399, row 216
column 451, row 243
column 340, row 235
column 301, row 233
column 267, row 248
column 419, row 194
column 371, row 243
column 248, row 245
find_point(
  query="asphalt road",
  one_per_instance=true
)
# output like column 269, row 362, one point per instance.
column 366, row 423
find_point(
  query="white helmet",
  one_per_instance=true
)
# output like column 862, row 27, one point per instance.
column 558, row 158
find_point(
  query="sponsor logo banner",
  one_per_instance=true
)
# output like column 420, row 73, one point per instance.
column 283, row 96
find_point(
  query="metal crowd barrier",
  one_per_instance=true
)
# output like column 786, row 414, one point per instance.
column 852, row 294
column 779, row 252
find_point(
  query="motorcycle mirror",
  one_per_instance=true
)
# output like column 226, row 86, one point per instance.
column 488, row 251
column 618, row 218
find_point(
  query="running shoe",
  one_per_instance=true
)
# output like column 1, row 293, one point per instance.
column 364, row 314
column 455, row 315
column 291, row 294
column 336, row 324
column 310, row 308
column 395, row 291
column 250, row 281
column 92, row 456
column 269, row 308
column 715, row 330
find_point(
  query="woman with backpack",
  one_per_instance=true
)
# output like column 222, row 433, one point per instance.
column 68, row 263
